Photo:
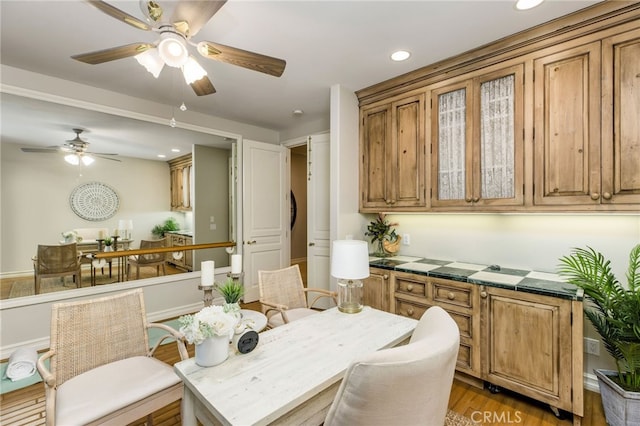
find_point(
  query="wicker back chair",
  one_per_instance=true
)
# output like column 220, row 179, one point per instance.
column 153, row 259
column 102, row 370
column 57, row 261
column 284, row 297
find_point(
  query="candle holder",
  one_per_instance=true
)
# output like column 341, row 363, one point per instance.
column 237, row 277
column 208, row 294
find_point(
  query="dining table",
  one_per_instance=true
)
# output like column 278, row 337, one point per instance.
column 294, row 372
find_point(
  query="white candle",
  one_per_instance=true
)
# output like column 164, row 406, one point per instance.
column 236, row 263
column 207, row 272
column 101, row 234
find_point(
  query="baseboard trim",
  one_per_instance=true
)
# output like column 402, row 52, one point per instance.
column 591, row 382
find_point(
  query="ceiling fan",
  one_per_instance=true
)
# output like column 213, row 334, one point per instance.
column 75, row 150
column 177, row 22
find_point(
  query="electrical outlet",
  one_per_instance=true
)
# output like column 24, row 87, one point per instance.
column 406, row 240
column 592, row 346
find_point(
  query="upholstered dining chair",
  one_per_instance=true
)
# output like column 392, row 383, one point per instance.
column 101, row 368
column 404, row 385
column 284, row 297
column 153, row 259
column 60, row 260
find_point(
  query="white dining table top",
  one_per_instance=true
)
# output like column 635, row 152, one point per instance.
column 291, row 364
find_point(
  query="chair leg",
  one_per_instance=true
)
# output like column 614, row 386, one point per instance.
column 37, row 285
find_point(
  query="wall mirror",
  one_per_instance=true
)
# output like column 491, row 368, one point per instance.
column 36, row 187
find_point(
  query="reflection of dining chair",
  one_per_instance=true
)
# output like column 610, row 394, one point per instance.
column 404, row 385
column 57, row 261
column 284, row 297
column 101, row 367
column 154, row 259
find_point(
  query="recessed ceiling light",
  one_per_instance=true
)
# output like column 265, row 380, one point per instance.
column 527, row 4
column 298, row 112
column 162, row 156
column 175, row 150
column 400, row 55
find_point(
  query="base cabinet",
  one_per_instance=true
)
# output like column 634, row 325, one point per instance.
column 531, row 346
column 525, row 342
column 182, row 258
column 376, row 289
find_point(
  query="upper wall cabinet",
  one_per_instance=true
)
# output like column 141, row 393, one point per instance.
column 621, row 119
column 180, row 172
column 392, row 145
column 546, row 120
column 477, row 140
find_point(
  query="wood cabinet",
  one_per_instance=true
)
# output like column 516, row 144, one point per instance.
column 180, row 170
column 541, row 121
column 376, row 289
column 392, row 145
column 182, row 258
column 477, row 139
column 532, row 344
column 525, row 342
column 413, row 294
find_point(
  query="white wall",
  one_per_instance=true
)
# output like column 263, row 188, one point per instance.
column 35, row 190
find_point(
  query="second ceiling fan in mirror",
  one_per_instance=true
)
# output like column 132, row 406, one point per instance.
column 177, row 22
column 75, row 150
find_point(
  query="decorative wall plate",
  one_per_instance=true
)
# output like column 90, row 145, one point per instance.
column 94, row 201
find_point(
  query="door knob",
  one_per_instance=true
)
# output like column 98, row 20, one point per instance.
column 312, row 244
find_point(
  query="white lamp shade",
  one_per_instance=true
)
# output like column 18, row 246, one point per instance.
column 172, row 50
column 192, row 71
column 350, row 259
column 86, row 160
column 150, row 59
column 72, row 159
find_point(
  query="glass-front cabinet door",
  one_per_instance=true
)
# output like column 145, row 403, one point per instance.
column 477, row 140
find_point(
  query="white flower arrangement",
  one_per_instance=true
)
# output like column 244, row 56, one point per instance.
column 210, row 321
column 69, row 234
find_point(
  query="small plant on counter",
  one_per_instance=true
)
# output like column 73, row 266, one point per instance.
column 380, row 230
column 171, row 224
column 231, row 290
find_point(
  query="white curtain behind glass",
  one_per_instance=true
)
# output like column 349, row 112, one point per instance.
column 497, row 139
column 451, row 145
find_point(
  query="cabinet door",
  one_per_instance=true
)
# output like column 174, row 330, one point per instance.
column 407, row 179
column 477, row 140
column 620, row 123
column 376, row 289
column 528, row 345
column 567, row 126
column 375, row 170
column 392, row 173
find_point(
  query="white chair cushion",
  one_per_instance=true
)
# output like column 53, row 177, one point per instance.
column 110, row 387
column 292, row 315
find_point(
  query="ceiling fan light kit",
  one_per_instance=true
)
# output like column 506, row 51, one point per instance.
column 177, row 22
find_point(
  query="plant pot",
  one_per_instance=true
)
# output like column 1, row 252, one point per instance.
column 621, row 407
column 213, row 351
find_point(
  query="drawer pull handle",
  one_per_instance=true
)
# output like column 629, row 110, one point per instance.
column 410, row 312
column 451, row 296
column 606, row 195
column 483, row 294
column 385, row 277
column 410, row 287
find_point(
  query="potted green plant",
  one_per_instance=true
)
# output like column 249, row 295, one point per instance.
column 171, row 224
column 231, row 290
column 380, row 230
column 614, row 311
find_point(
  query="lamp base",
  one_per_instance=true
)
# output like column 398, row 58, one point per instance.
column 350, row 296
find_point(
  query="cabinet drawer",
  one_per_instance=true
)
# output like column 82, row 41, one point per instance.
column 178, row 240
column 411, row 286
column 464, row 322
column 410, row 310
column 451, row 293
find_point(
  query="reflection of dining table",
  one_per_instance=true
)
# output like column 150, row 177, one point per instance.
column 91, row 248
column 293, row 374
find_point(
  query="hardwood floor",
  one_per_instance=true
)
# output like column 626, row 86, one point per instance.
column 26, row 406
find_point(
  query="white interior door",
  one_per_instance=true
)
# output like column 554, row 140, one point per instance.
column 318, row 267
column 266, row 212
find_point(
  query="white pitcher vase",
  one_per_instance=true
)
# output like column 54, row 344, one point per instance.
column 212, row 351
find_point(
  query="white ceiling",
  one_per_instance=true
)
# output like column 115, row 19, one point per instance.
column 323, row 42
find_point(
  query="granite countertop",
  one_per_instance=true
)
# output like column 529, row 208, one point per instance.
column 182, row 232
column 543, row 283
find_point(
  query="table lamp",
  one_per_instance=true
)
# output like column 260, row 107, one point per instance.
column 350, row 264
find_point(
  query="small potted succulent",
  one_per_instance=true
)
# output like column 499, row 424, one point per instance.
column 232, row 291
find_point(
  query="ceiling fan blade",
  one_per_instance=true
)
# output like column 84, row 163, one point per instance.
column 111, row 54
column 242, row 58
column 48, row 150
column 106, row 158
column 203, row 86
column 100, row 153
column 195, row 14
column 114, row 12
